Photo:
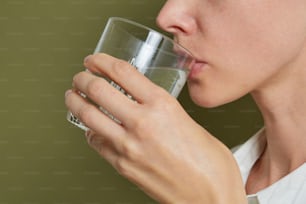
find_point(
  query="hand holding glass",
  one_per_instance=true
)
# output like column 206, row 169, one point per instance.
column 158, row 57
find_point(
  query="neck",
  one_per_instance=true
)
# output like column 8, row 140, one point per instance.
column 282, row 103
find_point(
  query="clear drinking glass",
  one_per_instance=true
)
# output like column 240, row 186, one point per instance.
column 157, row 56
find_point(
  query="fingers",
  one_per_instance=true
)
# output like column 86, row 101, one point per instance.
column 93, row 118
column 120, row 161
column 105, row 96
column 106, row 150
column 102, row 146
column 124, row 74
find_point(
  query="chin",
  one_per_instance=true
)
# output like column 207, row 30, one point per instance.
column 206, row 98
column 202, row 100
column 205, row 103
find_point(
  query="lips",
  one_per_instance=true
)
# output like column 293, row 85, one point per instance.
column 196, row 68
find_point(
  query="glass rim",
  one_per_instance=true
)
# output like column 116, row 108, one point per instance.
column 150, row 29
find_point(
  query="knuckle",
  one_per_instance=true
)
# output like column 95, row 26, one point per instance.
column 121, row 67
column 160, row 94
column 94, row 88
column 140, row 125
column 122, row 166
column 85, row 114
column 168, row 107
column 165, row 103
column 130, row 151
column 76, row 77
column 95, row 58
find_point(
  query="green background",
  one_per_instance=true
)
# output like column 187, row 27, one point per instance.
column 44, row 159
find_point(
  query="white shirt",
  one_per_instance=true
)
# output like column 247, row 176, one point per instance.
column 291, row 189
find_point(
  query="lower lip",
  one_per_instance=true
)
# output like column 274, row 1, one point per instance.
column 196, row 69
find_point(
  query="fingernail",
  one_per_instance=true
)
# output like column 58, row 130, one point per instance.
column 89, row 136
column 87, row 133
column 87, row 58
column 68, row 92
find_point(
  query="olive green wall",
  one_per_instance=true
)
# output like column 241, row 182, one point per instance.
column 44, row 159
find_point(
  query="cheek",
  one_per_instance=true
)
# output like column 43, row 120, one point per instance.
column 236, row 67
column 217, row 86
column 244, row 49
column 270, row 35
column 264, row 33
column 254, row 49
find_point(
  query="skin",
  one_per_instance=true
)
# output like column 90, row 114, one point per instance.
column 204, row 166
column 241, row 47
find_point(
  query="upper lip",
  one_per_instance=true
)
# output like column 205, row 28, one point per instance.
column 196, row 59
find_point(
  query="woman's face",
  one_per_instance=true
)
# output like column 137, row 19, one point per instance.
column 240, row 45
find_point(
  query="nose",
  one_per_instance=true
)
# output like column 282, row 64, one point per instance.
column 176, row 18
